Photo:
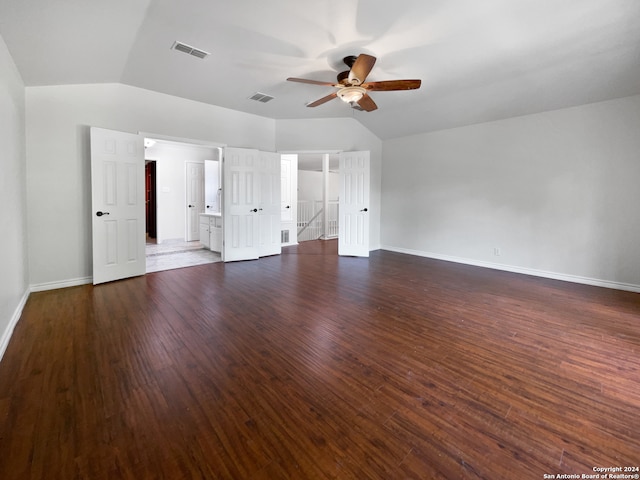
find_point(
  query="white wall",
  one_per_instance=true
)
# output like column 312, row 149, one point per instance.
column 310, row 185
column 58, row 183
column 171, row 185
column 557, row 192
column 14, row 279
column 345, row 134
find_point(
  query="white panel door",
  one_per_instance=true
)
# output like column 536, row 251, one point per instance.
column 289, row 196
column 269, row 207
column 118, row 208
column 195, row 199
column 240, row 193
column 353, row 209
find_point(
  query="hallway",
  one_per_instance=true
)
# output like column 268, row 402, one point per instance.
column 171, row 255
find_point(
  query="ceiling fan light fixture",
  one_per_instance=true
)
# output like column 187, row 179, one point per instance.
column 351, row 88
column 351, row 94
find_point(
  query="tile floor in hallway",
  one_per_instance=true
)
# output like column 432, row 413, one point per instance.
column 177, row 254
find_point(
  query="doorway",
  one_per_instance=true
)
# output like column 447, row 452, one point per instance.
column 151, row 221
column 348, row 217
column 174, row 182
column 318, row 192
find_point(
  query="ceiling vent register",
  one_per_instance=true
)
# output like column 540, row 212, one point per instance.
column 261, row 97
column 184, row 48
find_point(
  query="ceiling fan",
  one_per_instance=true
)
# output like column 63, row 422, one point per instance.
column 352, row 87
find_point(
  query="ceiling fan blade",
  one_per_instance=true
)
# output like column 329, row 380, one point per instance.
column 323, row 100
column 312, row 82
column 361, row 68
column 367, row 103
column 391, row 85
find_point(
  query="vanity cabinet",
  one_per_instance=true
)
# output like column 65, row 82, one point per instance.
column 211, row 231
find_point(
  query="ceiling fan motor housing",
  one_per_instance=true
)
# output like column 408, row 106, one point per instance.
column 343, row 77
column 346, row 77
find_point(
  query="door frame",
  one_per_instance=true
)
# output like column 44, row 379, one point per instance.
column 151, row 213
column 185, row 140
column 330, row 152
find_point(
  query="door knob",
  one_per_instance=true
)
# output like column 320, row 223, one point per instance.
column 191, row 206
column 254, row 210
column 288, row 206
column 99, row 214
column 364, row 210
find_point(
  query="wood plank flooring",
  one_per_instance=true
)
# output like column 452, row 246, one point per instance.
column 311, row 366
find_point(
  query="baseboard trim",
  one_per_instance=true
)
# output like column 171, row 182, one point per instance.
column 74, row 282
column 8, row 332
column 629, row 287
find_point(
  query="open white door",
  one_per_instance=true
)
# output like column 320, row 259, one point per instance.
column 353, row 236
column 289, row 199
column 195, row 199
column 240, row 193
column 269, row 206
column 118, row 208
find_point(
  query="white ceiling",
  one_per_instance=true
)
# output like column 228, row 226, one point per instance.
column 478, row 60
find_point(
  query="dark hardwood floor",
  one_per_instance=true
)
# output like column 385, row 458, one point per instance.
column 311, row 366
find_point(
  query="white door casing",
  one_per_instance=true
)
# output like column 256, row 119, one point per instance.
column 240, row 193
column 195, row 199
column 353, row 237
column 269, row 205
column 118, row 205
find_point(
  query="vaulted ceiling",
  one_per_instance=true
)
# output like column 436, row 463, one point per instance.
column 478, row 60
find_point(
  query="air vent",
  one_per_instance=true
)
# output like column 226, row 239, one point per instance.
column 284, row 236
column 184, row 48
column 261, row 97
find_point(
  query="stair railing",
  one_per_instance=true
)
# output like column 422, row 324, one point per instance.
column 306, row 225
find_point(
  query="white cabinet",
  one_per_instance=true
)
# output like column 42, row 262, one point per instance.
column 204, row 231
column 216, row 236
column 211, row 231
